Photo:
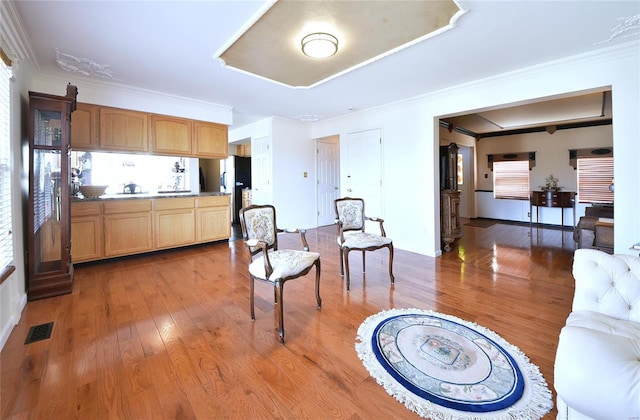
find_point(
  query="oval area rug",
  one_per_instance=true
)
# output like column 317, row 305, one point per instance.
column 443, row 367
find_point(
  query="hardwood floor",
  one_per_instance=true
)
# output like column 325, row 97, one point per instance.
column 169, row 335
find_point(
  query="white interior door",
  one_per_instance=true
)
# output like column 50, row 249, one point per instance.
column 328, row 182
column 364, row 169
column 261, row 173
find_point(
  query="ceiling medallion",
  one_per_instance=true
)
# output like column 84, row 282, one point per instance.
column 319, row 45
column 83, row 66
column 628, row 26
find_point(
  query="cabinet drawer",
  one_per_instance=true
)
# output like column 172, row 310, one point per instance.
column 126, row 206
column 213, row 201
column 174, row 203
column 86, row 209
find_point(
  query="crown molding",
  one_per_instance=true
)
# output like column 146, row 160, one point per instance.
column 16, row 38
column 122, row 96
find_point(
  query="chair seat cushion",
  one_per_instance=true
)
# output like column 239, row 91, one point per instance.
column 285, row 263
column 358, row 240
column 597, row 369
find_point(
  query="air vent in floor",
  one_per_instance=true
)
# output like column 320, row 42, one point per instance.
column 39, row 332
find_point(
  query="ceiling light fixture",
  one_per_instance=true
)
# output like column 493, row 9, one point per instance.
column 319, row 45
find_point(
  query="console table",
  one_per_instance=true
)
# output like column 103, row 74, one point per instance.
column 552, row 198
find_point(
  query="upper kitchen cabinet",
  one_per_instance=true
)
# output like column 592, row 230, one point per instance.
column 48, row 210
column 210, row 140
column 85, row 127
column 171, row 135
column 123, row 130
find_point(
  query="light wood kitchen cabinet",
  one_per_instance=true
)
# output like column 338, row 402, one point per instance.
column 210, row 140
column 213, row 218
column 171, row 135
column 86, row 231
column 123, row 130
column 174, row 222
column 244, row 150
column 128, row 227
column 85, row 127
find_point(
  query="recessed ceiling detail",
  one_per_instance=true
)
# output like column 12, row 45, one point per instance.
column 83, row 66
column 366, row 31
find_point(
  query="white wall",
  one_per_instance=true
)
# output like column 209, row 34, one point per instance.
column 293, row 154
column 410, row 137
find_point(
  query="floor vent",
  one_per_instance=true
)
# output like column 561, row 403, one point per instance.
column 39, row 332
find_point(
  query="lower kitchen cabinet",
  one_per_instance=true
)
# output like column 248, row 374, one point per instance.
column 114, row 228
column 213, row 222
column 86, row 232
column 128, row 227
column 175, row 222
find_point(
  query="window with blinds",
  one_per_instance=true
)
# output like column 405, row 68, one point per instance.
column 594, row 177
column 511, row 180
column 6, row 236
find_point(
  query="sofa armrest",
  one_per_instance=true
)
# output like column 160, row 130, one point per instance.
column 608, row 284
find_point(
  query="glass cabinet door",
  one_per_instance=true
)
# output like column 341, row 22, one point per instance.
column 47, row 208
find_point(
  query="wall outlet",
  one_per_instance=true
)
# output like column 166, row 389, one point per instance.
column 528, row 214
column 486, row 176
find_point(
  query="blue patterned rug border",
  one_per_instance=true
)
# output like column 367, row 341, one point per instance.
column 532, row 399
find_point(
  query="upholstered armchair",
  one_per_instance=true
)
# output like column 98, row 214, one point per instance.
column 350, row 218
column 597, row 365
column 270, row 264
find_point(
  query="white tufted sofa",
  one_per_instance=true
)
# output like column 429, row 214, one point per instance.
column 597, row 366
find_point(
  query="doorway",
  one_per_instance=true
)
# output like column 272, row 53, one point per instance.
column 328, row 178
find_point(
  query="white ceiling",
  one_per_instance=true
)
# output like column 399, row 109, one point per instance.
column 169, row 47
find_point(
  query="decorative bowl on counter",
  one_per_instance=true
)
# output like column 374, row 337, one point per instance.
column 92, row 191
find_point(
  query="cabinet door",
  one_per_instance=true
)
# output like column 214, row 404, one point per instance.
column 170, row 135
column 127, row 233
column 175, row 228
column 213, row 223
column 85, row 126
column 210, row 140
column 86, row 238
column 123, row 130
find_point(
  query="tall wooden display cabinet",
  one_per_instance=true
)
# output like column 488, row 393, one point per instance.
column 49, row 212
column 450, row 228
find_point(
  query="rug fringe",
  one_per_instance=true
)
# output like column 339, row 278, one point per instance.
column 539, row 403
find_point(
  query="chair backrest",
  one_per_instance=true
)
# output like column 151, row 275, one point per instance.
column 259, row 222
column 350, row 211
column 608, row 284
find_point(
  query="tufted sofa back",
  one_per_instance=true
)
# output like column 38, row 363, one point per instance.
column 608, row 284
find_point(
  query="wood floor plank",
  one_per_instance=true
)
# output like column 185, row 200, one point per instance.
column 169, row 334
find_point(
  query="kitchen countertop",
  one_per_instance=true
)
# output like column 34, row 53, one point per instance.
column 107, row 197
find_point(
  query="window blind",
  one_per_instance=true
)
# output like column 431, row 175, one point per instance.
column 511, row 179
column 6, row 236
column 594, row 177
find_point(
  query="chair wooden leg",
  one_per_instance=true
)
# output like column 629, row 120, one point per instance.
column 363, row 267
column 341, row 262
column 318, row 299
column 279, row 286
column 251, row 299
column 346, row 268
column 391, row 263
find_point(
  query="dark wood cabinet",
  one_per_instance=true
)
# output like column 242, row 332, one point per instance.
column 552, row 198
column 49, row 219
column 450, row 217
column 450, row 228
